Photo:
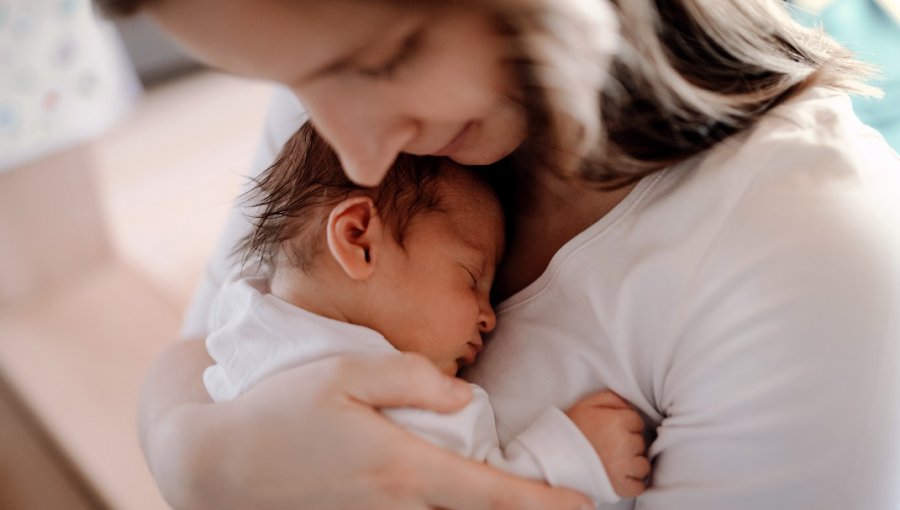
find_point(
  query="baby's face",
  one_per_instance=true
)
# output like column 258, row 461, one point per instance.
column 437, row 300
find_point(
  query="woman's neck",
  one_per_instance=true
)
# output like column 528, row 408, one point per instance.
column 548, row 213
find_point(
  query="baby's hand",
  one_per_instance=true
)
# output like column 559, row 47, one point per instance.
column 615, row 430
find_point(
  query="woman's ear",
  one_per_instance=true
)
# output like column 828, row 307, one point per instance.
column 354, row 234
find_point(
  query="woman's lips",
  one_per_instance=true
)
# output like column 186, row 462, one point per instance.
column 456, row 142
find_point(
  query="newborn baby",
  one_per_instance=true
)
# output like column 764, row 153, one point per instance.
column 404, row 267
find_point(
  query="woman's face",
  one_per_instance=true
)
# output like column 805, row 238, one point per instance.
column 378, row 78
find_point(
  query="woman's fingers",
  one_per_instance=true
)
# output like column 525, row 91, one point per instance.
column 454, row 483
column 308, row 435
column 444, row 479
column 409, row 380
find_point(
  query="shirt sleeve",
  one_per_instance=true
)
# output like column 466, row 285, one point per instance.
column 784, row 390
column 552, row 448
column 285, row 115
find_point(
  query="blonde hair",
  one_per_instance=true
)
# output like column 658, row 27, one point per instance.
column 619, row 89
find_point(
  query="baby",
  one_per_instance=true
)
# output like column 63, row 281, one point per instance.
column 404, row 267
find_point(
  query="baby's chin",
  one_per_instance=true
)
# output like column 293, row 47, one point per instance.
column 450, row 367
column 456, row 367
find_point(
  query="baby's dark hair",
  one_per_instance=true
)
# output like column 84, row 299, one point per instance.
column 291, row 200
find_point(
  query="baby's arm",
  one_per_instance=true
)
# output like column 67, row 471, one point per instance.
column 552, row 448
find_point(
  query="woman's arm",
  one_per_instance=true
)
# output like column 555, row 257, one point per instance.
column 784, row 389
column 171, row 394
column 309, row 438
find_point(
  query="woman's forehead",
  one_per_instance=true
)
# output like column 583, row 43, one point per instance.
column 277, row 40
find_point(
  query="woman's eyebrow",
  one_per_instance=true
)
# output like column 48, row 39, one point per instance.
column 350, row 59
column 346, row 59
column 341, row 64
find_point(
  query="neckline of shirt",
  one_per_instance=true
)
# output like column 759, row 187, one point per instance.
column 596, row 230
column 787, row 111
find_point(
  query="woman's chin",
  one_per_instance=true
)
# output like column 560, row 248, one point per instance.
column 482, row 155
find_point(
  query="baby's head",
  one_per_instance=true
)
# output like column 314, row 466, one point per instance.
column 413, row 258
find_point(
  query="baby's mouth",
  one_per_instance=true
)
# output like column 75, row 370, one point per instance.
column 473, row 349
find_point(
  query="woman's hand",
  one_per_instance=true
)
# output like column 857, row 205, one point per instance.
column 309, row 438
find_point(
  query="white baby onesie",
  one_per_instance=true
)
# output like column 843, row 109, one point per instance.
column 255, row 334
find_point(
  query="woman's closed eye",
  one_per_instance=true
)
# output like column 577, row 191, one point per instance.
column 402, row 55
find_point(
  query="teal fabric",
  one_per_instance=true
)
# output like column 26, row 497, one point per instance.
column 865, row 28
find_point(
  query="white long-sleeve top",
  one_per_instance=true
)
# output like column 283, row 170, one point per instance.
column 747, row 302
column 255, row 334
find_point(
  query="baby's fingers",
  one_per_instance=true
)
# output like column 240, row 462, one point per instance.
column 639, row 469
column 607, row 399
column 633, row 482
column 632, row 421
column 630, row 487
column 634, row 444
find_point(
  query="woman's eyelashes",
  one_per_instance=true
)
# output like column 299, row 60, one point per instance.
column 404, row 53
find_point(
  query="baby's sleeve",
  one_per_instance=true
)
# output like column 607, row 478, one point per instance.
column 551, row 449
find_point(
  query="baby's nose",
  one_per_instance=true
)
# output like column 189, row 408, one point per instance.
column 487, row 320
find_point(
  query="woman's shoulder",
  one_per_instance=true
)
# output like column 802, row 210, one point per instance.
column 802, row 207
column 795, row 267
column 810, row 155
column 816, row 133
column 808, row 161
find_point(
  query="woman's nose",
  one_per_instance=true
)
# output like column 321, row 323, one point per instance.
column 366, row 137
column 367, row 156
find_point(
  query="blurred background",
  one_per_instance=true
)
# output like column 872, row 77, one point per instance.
column 119, row 159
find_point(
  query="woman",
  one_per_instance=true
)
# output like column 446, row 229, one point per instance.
column 705, row 228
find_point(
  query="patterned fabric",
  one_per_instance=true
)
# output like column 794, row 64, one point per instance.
column 63, row 77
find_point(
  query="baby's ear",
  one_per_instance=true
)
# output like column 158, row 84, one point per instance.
column 354, row 234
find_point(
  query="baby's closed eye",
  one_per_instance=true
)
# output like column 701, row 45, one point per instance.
column 473, row 275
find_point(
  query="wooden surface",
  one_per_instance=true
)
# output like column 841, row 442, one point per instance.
column 76, row 359
column 32, row 476
column 51, row 225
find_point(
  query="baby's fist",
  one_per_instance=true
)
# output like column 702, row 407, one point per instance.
column 616, row 431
